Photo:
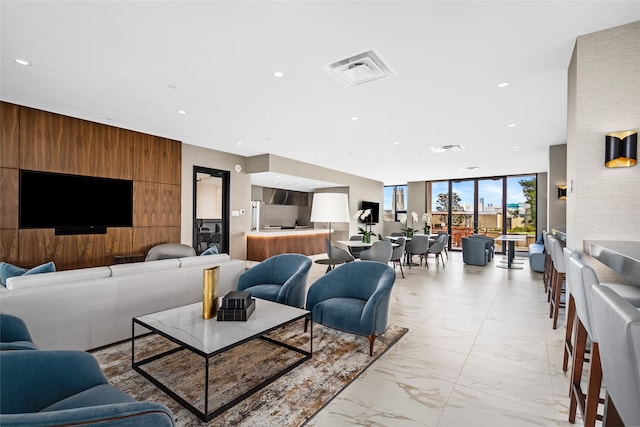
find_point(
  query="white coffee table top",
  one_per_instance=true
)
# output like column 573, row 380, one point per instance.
column 186, row 325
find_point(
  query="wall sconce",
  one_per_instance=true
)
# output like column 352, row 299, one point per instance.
column 562, row 192
column 621, row 149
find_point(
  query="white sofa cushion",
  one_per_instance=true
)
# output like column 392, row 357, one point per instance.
column 144, row 267
column 57, row 278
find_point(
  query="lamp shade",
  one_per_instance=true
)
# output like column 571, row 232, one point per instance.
column 621, row 149
column 330, row 207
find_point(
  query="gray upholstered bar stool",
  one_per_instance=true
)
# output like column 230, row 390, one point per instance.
column 618, row 327
column 571, row 283
column 557, row 279
column 582, row 279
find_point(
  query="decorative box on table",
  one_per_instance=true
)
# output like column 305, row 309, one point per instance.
column 236, row 306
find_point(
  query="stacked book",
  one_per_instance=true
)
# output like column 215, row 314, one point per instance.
column 236, row 306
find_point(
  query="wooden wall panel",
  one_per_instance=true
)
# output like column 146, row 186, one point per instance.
column 9, row 135
column 157, row 159
column 56, row 143
column 9, row 197
column 9, row 246
column 144, row 238
column 43, row 141
column 155, row 204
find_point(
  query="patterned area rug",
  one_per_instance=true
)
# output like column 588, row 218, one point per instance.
column 338, row 358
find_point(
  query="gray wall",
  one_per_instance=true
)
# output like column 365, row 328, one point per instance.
column 557, row 175
column 604, row 97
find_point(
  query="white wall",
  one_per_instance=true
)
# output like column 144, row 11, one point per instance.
column 604, row 97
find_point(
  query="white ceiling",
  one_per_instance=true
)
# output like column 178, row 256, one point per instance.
column 135, row 64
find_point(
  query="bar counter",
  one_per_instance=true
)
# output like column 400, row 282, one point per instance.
column 622, row 256
column 264, row 244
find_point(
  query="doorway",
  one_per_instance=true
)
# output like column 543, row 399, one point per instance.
column 210, row 209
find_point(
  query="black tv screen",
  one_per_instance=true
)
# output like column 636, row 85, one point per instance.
column 74, row 204
column 375, row 212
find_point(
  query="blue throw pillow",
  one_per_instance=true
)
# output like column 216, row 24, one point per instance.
column 212, row 250
column 8, row 270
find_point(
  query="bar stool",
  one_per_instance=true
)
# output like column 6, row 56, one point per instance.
column 557, row 280
column 546, row 276
column 582, row 279
column 618, row 328
column 571, row 281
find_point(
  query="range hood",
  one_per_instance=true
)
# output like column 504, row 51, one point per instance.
column 276, row 196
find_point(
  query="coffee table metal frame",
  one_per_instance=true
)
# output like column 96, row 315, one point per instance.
column 195, row 311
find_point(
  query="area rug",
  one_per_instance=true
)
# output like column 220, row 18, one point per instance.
column 292, row 400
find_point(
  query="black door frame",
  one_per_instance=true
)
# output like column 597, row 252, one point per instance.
column 226, row 190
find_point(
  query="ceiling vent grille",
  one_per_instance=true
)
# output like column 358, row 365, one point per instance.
column 359, row 69
column 445, row 148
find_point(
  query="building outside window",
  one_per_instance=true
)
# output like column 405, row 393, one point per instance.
column 395, row 202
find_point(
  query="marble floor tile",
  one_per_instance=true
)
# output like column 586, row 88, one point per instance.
column 480, row 351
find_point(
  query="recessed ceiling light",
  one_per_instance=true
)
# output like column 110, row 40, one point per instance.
column 278, row 74
column 319, row 155
column 511, row 125
column 23, row 62
column 461, row 138
column 354, row 118
column 503, row 84
column 239, row 143
column 172, row 86
column 182, row 112
column 444, row 148
column 470, row 168
column 515, row 147
column 396, row 143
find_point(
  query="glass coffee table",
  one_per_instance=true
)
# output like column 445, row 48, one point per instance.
column 185, row 327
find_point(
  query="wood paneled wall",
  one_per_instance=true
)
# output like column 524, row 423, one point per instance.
column 38, row 140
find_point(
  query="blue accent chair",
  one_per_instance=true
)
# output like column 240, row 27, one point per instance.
column 354, row 298
column 281, row 278
column 51, row 388
column 491, row 245
column 474, row 251
column 14, row 334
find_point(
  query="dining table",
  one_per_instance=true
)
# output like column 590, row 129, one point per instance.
column 511, row 240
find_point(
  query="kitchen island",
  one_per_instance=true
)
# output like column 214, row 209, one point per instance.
column 264, row 244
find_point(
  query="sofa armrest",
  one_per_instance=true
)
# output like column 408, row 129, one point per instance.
column 132, row 414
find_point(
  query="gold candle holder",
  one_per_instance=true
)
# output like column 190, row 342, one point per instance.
column 209, row 298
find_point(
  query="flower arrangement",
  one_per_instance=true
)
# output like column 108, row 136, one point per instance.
column 365, row 232
column 426, row 218
column 409, row 230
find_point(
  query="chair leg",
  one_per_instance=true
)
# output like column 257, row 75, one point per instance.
column 401, row 270
column 306, row 323
column 556, row 299
column 568, row 344
column 372, row 338
column 577, row 364
column 593, row 389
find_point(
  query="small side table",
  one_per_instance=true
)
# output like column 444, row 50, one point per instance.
column 126, row 259
column 330, row 263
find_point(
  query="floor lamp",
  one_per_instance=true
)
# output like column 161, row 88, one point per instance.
column 330, row 207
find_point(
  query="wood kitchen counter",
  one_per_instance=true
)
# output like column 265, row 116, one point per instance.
column 264, row 244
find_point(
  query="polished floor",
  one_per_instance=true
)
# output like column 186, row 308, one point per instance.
column 480, row 351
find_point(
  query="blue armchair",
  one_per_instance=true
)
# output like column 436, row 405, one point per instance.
column 355, row 298
column 51, row 388
column 474, row 251
column 14, row 334
column 281, row 278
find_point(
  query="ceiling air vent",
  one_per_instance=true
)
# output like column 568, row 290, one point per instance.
column 358, row 69
column 444, row 148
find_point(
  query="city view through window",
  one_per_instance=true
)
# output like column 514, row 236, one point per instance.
column 488, row 206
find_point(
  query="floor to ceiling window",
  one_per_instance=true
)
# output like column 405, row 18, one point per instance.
column 488, row 206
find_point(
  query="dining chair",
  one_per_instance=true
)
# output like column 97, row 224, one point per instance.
column 436, row 248
column 356, row 250
column 380, row 251
column 418, row 245
column 334, row 252
column 398, row 253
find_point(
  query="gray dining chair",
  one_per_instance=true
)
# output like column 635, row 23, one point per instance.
column 398, row 253
column 436, row 248
column 355, row 250
column 418, row 245
column 380, row 251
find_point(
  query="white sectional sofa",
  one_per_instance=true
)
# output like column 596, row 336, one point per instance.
column 91, row 307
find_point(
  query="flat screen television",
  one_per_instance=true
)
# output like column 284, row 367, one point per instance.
column 375, row 212
column 74, row 204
